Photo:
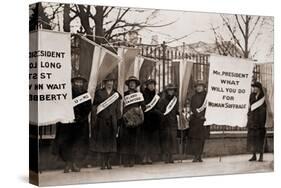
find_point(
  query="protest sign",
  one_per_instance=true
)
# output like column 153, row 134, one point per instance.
column 50, row 96
column 229, row 88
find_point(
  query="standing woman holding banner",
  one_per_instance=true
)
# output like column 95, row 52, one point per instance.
column 256, row 122
column 168, row 105
column 197, row 131
column 72, row 139
column 132, row 119
column 107, row 105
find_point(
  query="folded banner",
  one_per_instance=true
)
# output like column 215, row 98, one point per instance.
column 50, row 96
column 185, row 70
column 229, row 89
column 147, row 68
column 126, row 66
column 96, row 62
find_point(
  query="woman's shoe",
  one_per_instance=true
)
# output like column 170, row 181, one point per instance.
column 67, row 168
column 75, row 168
column 108, row 165
column 254, row 158
column 261, row 158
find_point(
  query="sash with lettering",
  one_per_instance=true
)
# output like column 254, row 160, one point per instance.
column 107, row 102
column 133, row 98
column 171, row 105
column 81, row 98
column 152, row 103
column 257, row 104
column 204, row 105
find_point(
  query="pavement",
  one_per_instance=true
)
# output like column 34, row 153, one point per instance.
column 211, row 166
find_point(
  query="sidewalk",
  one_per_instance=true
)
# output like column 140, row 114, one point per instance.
column 210, row 166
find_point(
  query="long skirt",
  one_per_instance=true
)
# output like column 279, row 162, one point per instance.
column 196, row 146
column 104, row 137
column 128, row 140
column 148, row 141
column 168, row 140
column 255, row 140
column 72, row 141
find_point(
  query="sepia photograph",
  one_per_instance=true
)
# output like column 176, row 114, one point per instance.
column 130, row 93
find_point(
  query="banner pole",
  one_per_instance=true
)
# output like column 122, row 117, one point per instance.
column 182, row 146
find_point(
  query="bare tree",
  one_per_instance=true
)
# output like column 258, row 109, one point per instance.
column 244, row 30
column 100, row 23
column 225, row 47
column 38, row 17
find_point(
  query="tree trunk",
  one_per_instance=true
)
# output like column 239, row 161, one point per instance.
column 246, row 39
column 99, row 31
column 84, row 18
column 66, row 18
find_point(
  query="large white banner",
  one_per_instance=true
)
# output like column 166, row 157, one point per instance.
column 50, row 96
column 229, row 89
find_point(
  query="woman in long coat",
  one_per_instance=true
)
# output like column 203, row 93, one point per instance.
column 256, row 122
column 132, row 119
column 169, row 123
column 197, row 131
column 105, row 125
column 72, row 139
column 149, row 130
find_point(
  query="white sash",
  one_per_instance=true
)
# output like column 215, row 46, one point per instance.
column 152, row 103
column 171, row 105
column 257, row 104
column 80, row 99
column 107, row 102
column 133, row 98
column 204, row 105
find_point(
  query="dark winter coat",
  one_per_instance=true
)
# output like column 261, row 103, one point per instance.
column 197, row 130
column 104, row 129
column 72, row 139
column 169, row 125
column 256, row 125
column 149, row 131
column 128, row 135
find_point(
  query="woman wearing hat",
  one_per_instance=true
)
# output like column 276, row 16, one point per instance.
column 107, row 104
column 197, row 131
column 133, row 117
column 168, row 105
column 72, row 139
column 149, row 130
column 256, row 122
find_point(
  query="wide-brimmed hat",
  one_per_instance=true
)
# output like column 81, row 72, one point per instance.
column 257, row 84
column 79, row 77
column 150, row 81
column 134, row 79
column 109, row 77
column 171, row 87
column 200, row 82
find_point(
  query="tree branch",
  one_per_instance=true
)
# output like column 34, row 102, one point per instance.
column 255, row 24
column 239, row 25
column 233, row 34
